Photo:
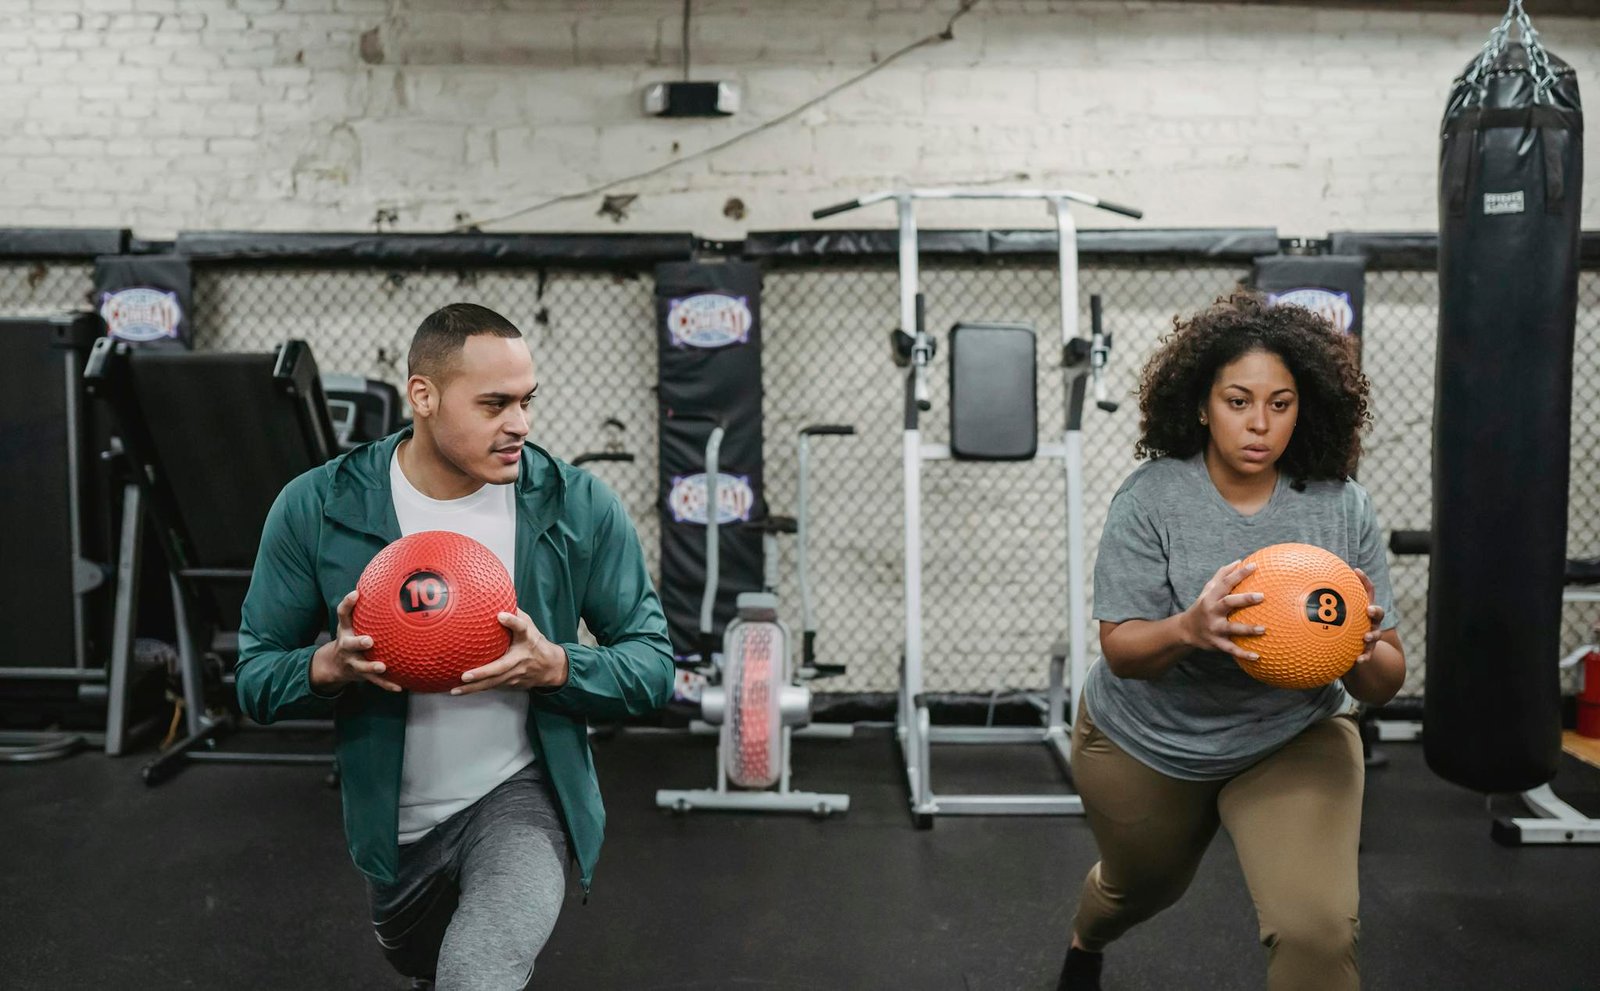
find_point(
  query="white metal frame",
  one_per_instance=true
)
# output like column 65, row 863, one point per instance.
column 724, row 799
column 1553, row 822
column 914, row 724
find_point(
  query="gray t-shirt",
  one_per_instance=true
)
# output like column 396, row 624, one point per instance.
column 1167, row 532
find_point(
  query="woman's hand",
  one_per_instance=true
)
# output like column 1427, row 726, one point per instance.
column 1380, row 670
column 1206, row 625
column 1374, row 615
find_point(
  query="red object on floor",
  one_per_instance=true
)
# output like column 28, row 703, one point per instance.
column 1589, row 697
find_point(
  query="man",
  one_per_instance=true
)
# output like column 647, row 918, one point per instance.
column 461, row 808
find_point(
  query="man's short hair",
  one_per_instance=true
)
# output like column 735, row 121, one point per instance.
column 439, row 339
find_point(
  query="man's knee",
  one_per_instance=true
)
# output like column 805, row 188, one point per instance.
column 512, row 894
column 494, row 943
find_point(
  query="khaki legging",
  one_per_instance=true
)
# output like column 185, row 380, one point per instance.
column 1295, row 819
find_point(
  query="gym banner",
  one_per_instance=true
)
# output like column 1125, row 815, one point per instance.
column 1331, row 286
column 708, row 332
column 144, row 299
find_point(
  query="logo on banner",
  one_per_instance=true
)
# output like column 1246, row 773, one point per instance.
column 141, row 314
column 1331, row 306
column 709, row 320
column 689, row 686
column 1494, row 203
column 687, row 499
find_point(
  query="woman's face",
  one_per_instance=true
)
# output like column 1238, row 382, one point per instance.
column 1251, row 412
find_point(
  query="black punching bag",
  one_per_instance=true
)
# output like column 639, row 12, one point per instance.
column 1510, row 188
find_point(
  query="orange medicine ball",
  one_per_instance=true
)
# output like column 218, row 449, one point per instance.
column 1315, row 612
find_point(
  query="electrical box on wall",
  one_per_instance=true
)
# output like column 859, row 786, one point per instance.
column 686, row 99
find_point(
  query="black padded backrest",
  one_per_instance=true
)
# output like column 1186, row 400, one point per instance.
column 994, row 414
column 228, row 439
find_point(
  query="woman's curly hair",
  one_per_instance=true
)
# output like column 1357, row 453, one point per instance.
column 1176, row 381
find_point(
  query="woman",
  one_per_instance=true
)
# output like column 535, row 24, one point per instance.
column 1251, row 416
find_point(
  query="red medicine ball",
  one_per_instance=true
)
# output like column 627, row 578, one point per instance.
column 429, row 602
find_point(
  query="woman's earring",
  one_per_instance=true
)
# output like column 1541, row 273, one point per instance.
column 1202, row 421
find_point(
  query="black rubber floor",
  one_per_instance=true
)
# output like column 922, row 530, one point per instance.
column 236, row 877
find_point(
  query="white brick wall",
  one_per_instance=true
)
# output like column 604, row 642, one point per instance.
column 273, row 114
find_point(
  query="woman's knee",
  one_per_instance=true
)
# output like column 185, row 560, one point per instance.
column 1136, row 898
column 1327, row 936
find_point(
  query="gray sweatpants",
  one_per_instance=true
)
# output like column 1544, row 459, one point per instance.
column 476, row 898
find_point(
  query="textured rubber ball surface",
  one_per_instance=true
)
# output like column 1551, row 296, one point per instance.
column 1315, row 613
column 429, row 602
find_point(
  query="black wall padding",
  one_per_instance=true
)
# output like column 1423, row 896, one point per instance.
column 1220, row 244
column 556, row 250
column 132, row 293
column 1333, row 286
column 708, row 328
column 61, row 242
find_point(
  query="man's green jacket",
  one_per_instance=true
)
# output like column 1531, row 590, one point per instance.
column 577, row 556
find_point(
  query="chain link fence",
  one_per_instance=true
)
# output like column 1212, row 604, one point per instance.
column 994, row 534
column 590, row 332
column 995, row 565
column 43, row 288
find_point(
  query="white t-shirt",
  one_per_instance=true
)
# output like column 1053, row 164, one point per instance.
column 459, row 747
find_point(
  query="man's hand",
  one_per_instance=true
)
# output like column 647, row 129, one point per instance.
column 344, row 659
column 531, row 661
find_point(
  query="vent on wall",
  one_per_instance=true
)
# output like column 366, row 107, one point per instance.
column 687, row 99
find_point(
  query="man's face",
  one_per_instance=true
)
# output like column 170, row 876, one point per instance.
column 478, row 415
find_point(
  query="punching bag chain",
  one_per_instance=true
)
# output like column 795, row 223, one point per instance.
column 1544, row 76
